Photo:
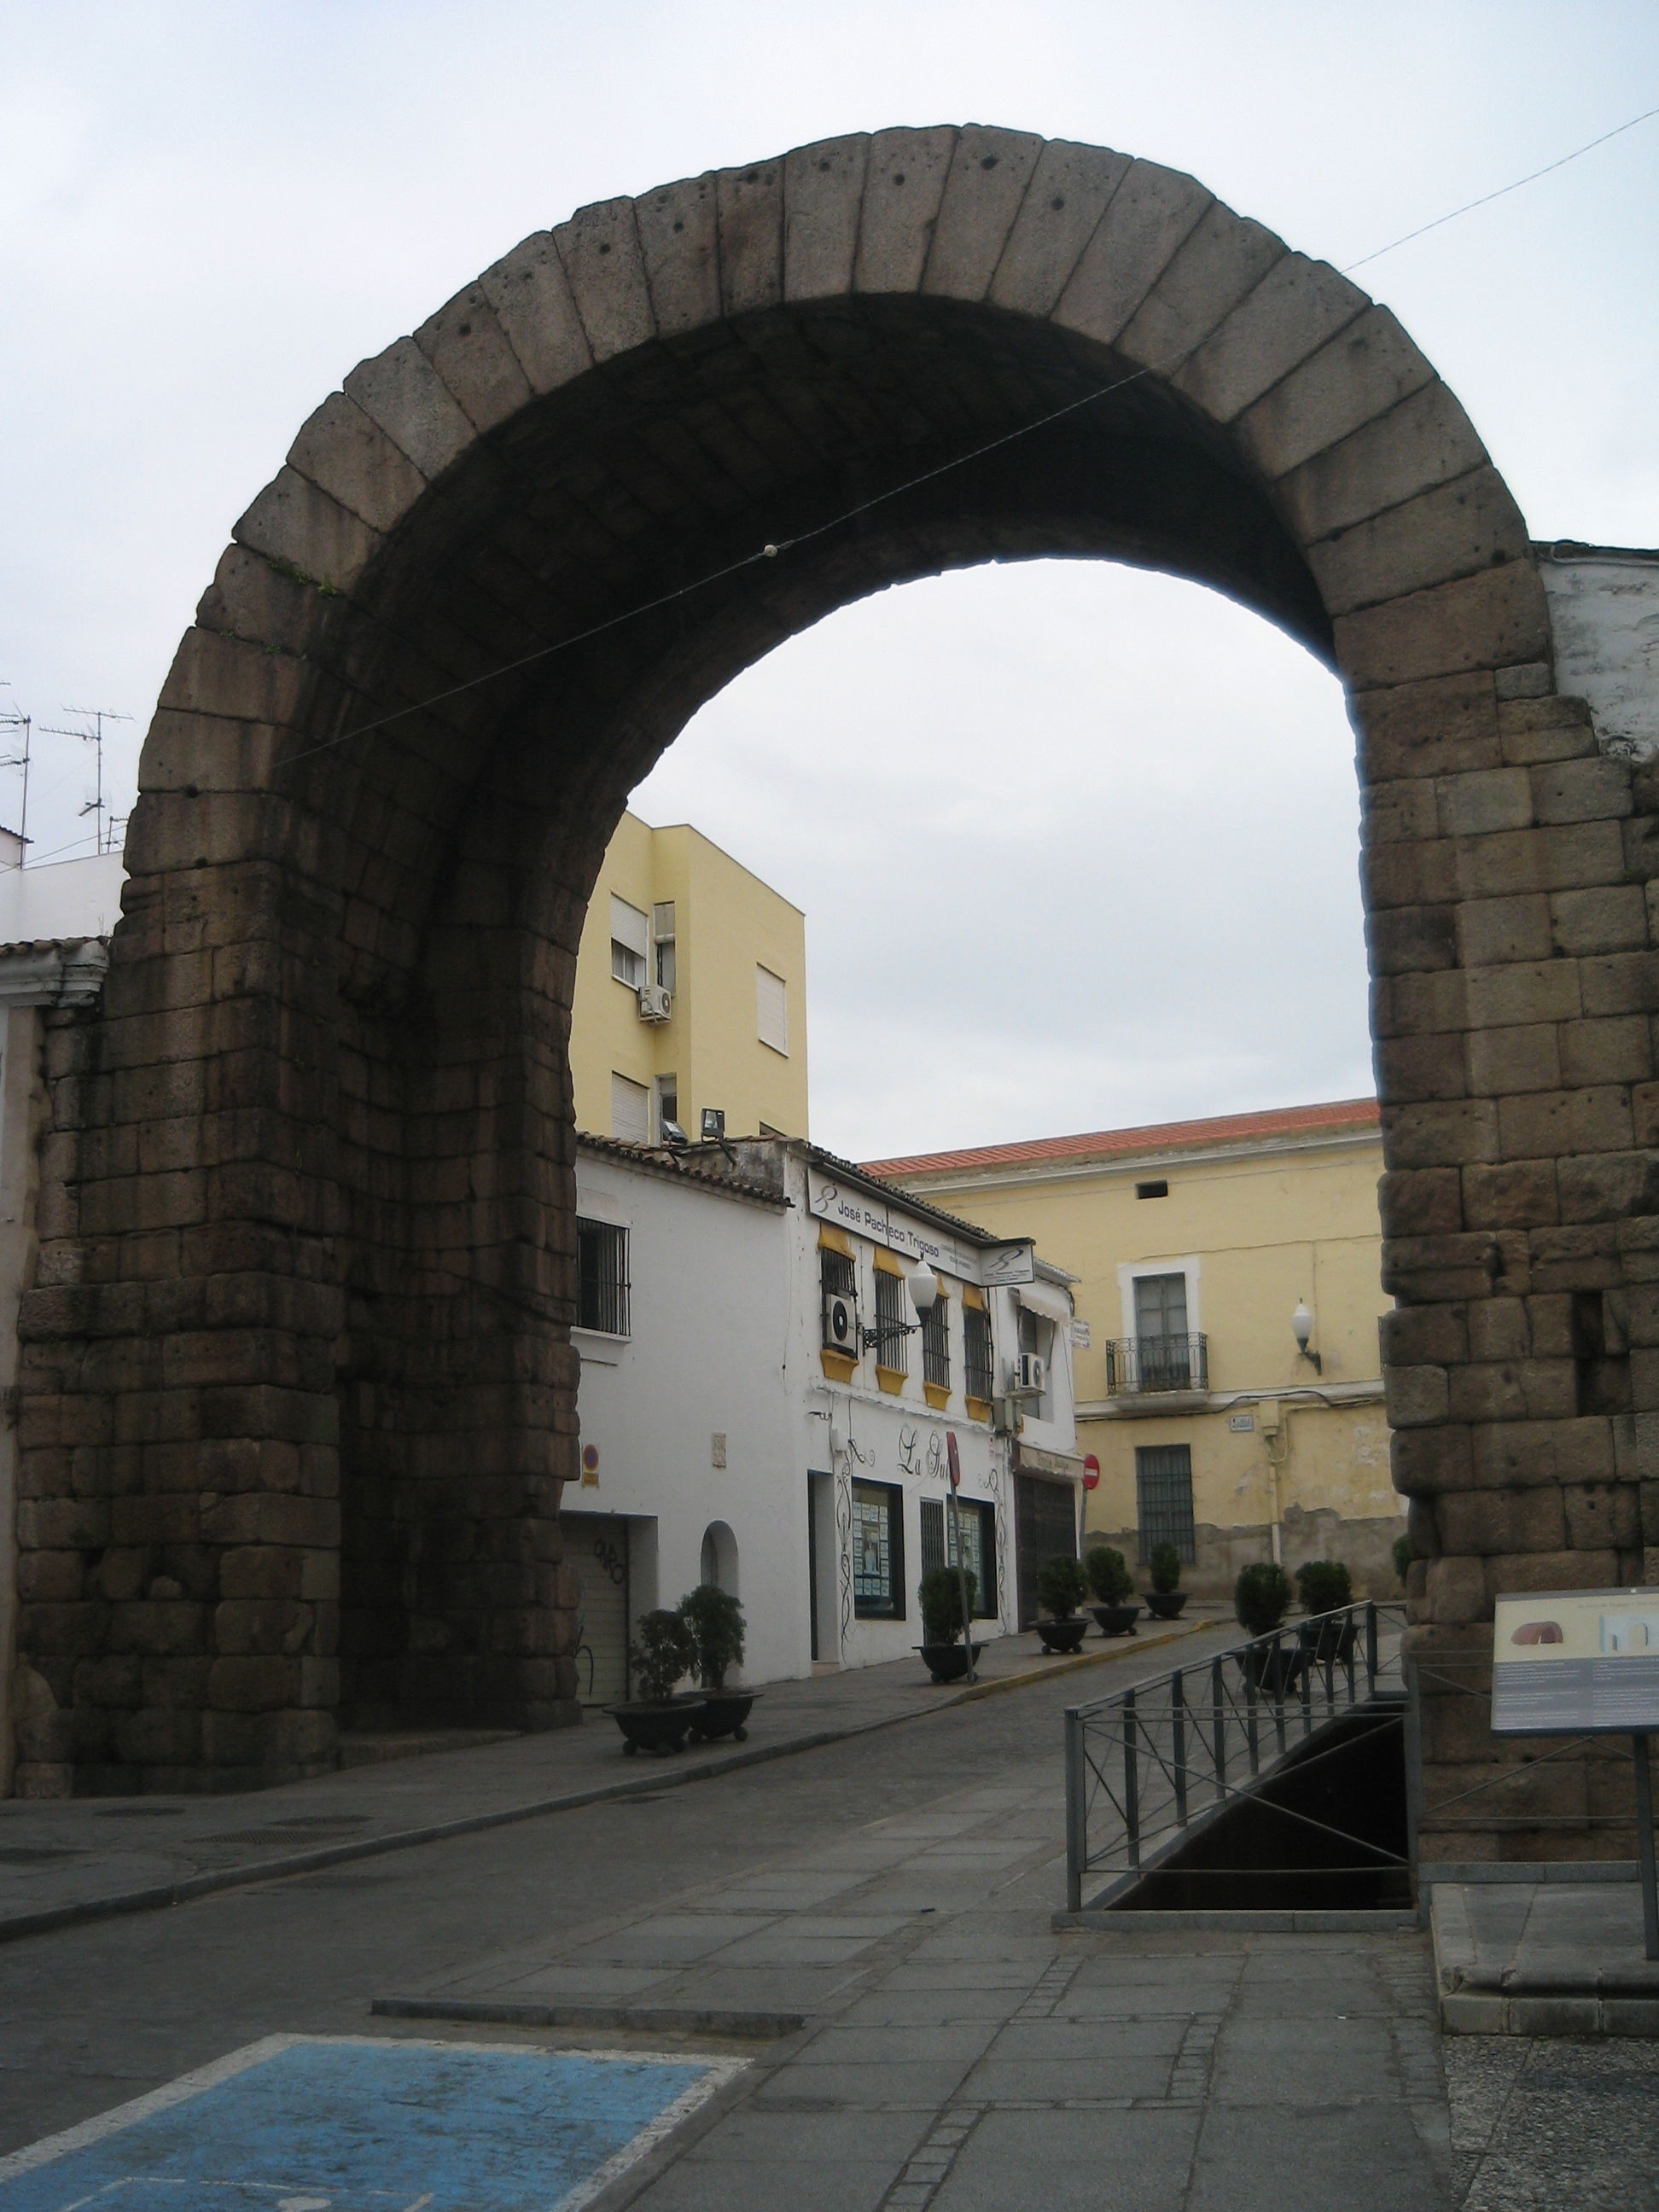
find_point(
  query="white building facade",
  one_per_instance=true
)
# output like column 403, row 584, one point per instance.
column 760, row 1406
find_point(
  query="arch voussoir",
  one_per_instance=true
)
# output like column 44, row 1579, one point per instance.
column 904, row 183
column 824, row 187
column 1070, row 191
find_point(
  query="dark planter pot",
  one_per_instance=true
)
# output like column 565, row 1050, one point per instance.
column 656, row 1727
column 1274, row 1669
column 1166, row 1605
column 1333, row 1640
column 1116, row 1620
column 1065, row 1635
column 725, row 1712
column 947, row 1662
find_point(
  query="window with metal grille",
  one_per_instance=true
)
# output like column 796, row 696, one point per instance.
column 891, row 1318
column 936, row 1345
column 978, row 1524
column 1164, row 1498
column 980, row 1374
column 602, row 1278
column 878, row 1551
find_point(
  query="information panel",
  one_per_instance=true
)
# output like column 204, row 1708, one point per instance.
column 1574, row 1663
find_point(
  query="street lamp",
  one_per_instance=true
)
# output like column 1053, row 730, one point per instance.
column 1302, row 1328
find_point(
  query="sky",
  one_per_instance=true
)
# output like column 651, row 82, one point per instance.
column 1077, row 845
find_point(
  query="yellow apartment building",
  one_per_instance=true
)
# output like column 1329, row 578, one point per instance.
column 690, row 994
column 1199, row 1247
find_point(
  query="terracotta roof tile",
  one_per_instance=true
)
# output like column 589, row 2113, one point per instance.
column 1339, row 1115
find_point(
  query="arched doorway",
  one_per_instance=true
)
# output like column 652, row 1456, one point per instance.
column 718, row 1563
column 305, row 1277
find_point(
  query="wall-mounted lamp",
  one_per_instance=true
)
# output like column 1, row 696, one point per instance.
column 1302, row 1328
column 923, row 1286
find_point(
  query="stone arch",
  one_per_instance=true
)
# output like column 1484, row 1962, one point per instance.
column 305, row 1263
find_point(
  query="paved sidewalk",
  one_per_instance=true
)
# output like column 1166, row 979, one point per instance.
column 923, row 2036
column 65, row 1861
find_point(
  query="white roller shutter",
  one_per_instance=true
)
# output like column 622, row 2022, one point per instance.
column 772, row 1009
column 631, row 1111
column 595, row 1546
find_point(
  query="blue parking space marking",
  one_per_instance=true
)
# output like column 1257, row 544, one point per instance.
column 360, row 2124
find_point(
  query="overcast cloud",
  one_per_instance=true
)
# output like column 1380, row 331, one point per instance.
column 1076, row 846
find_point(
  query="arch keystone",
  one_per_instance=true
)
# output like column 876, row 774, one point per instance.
column 986, row 181
column 903, row 185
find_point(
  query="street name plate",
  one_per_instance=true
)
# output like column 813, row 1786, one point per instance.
column 1576, row 1662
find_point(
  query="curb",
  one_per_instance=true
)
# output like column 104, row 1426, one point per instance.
column 158, row 1896
column 663, row 2020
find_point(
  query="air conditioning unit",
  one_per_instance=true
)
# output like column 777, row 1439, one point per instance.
column 841, row 1322
column 656, row 1005
column 1030, row 1375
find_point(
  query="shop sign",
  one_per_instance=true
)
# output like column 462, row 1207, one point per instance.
column 862, row 1213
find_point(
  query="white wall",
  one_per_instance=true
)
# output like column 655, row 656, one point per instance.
column 709, row 1324
column 67, row 899
column 1604, row 608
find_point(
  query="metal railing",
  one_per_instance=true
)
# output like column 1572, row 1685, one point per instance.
column 1148, row 1766
column 1138, row 1364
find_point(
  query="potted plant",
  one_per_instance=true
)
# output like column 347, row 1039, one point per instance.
column 1166, row 1597
column 1326, row 1587
column 716, row 1622
column 1061, row 1588
column 1109, row 1577
column 1261, row 1596
column 657, row 1720
column 943, row 1647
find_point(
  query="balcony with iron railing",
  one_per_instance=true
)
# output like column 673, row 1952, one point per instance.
column 1137, row 1366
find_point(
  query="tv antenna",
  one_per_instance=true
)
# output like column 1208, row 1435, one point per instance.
column 94, row 737
column 13, row 718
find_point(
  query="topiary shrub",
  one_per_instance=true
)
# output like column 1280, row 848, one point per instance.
column 940, row 1595
column 666, row 1649
column 1061, row 1586
column 1165, row 1564
column 716, row 1622
column 1260, row 1598
column 1402, row 1555
column 1108, row 1574
column 1323, row 1585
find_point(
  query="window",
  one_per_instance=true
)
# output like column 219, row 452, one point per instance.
column 1160, row 1305
column 631, row 1111
column 1163, row 1498
column 1159, row 1188
column 662, row 935
column 891, row 1317
column 936, row 1344
column 772, row 1009
column 1164, row 1350
column 878, row 1551
column 668, row 1100
column 978, row 1524
column 837, row 1274
column 981, row 1375
column 602, row 1278
column 629, row 942
column 1036, row 1334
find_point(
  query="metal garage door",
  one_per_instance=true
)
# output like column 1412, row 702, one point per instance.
column 596, row 1545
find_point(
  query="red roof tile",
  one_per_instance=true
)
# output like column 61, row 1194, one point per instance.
column 1340, row 1115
